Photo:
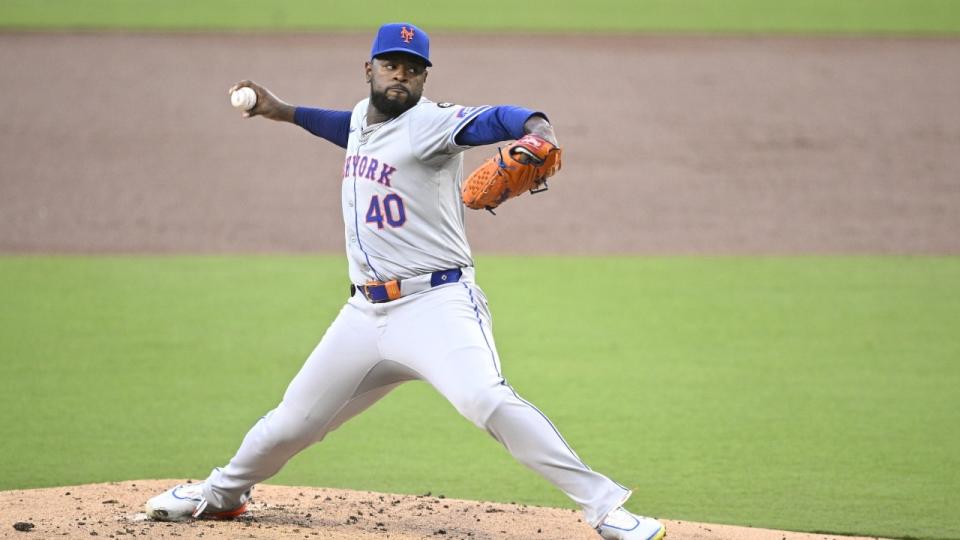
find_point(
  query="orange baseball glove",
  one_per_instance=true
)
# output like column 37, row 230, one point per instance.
column 523, row 166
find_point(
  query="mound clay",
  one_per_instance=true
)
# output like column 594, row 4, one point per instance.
column 115, row 510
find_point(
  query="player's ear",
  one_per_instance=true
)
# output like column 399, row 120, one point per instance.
column 368, row 71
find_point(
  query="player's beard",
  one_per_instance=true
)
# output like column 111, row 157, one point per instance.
column 392, row 107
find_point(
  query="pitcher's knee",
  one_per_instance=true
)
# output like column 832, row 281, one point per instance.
column 480, row 406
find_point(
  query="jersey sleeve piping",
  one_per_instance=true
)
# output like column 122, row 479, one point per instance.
column 452, row 141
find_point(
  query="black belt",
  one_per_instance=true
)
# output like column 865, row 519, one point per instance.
column 384, row 291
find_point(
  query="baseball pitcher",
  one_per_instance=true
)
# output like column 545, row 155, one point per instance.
column 415, row 310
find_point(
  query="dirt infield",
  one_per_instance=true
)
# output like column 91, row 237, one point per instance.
column 115, row 510
column 127, row 143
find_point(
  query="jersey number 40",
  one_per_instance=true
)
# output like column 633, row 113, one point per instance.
column 391, row 211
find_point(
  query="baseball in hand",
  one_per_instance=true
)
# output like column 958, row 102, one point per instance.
column 243, row 98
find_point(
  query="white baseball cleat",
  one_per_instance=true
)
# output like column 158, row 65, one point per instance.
column 622, row 525
column 186, row 501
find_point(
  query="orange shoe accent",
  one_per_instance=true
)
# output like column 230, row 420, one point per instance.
column 226, row 514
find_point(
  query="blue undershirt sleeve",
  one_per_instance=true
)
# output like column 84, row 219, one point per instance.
column 500, row 123
column 333, row 126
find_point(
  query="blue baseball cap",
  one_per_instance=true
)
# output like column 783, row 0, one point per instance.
column 401, row 37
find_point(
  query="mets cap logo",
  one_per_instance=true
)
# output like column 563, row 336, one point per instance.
column 406, row 34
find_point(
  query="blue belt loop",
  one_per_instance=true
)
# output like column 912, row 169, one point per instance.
column 445, row 276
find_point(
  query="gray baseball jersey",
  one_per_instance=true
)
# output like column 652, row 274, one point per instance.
column 402, row 211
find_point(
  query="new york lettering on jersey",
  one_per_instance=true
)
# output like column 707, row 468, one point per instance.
column 368, row 167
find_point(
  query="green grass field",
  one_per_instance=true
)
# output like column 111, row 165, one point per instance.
column 797, row 393
column 841, row 16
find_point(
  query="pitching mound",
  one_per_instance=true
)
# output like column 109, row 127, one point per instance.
column 115, row 510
